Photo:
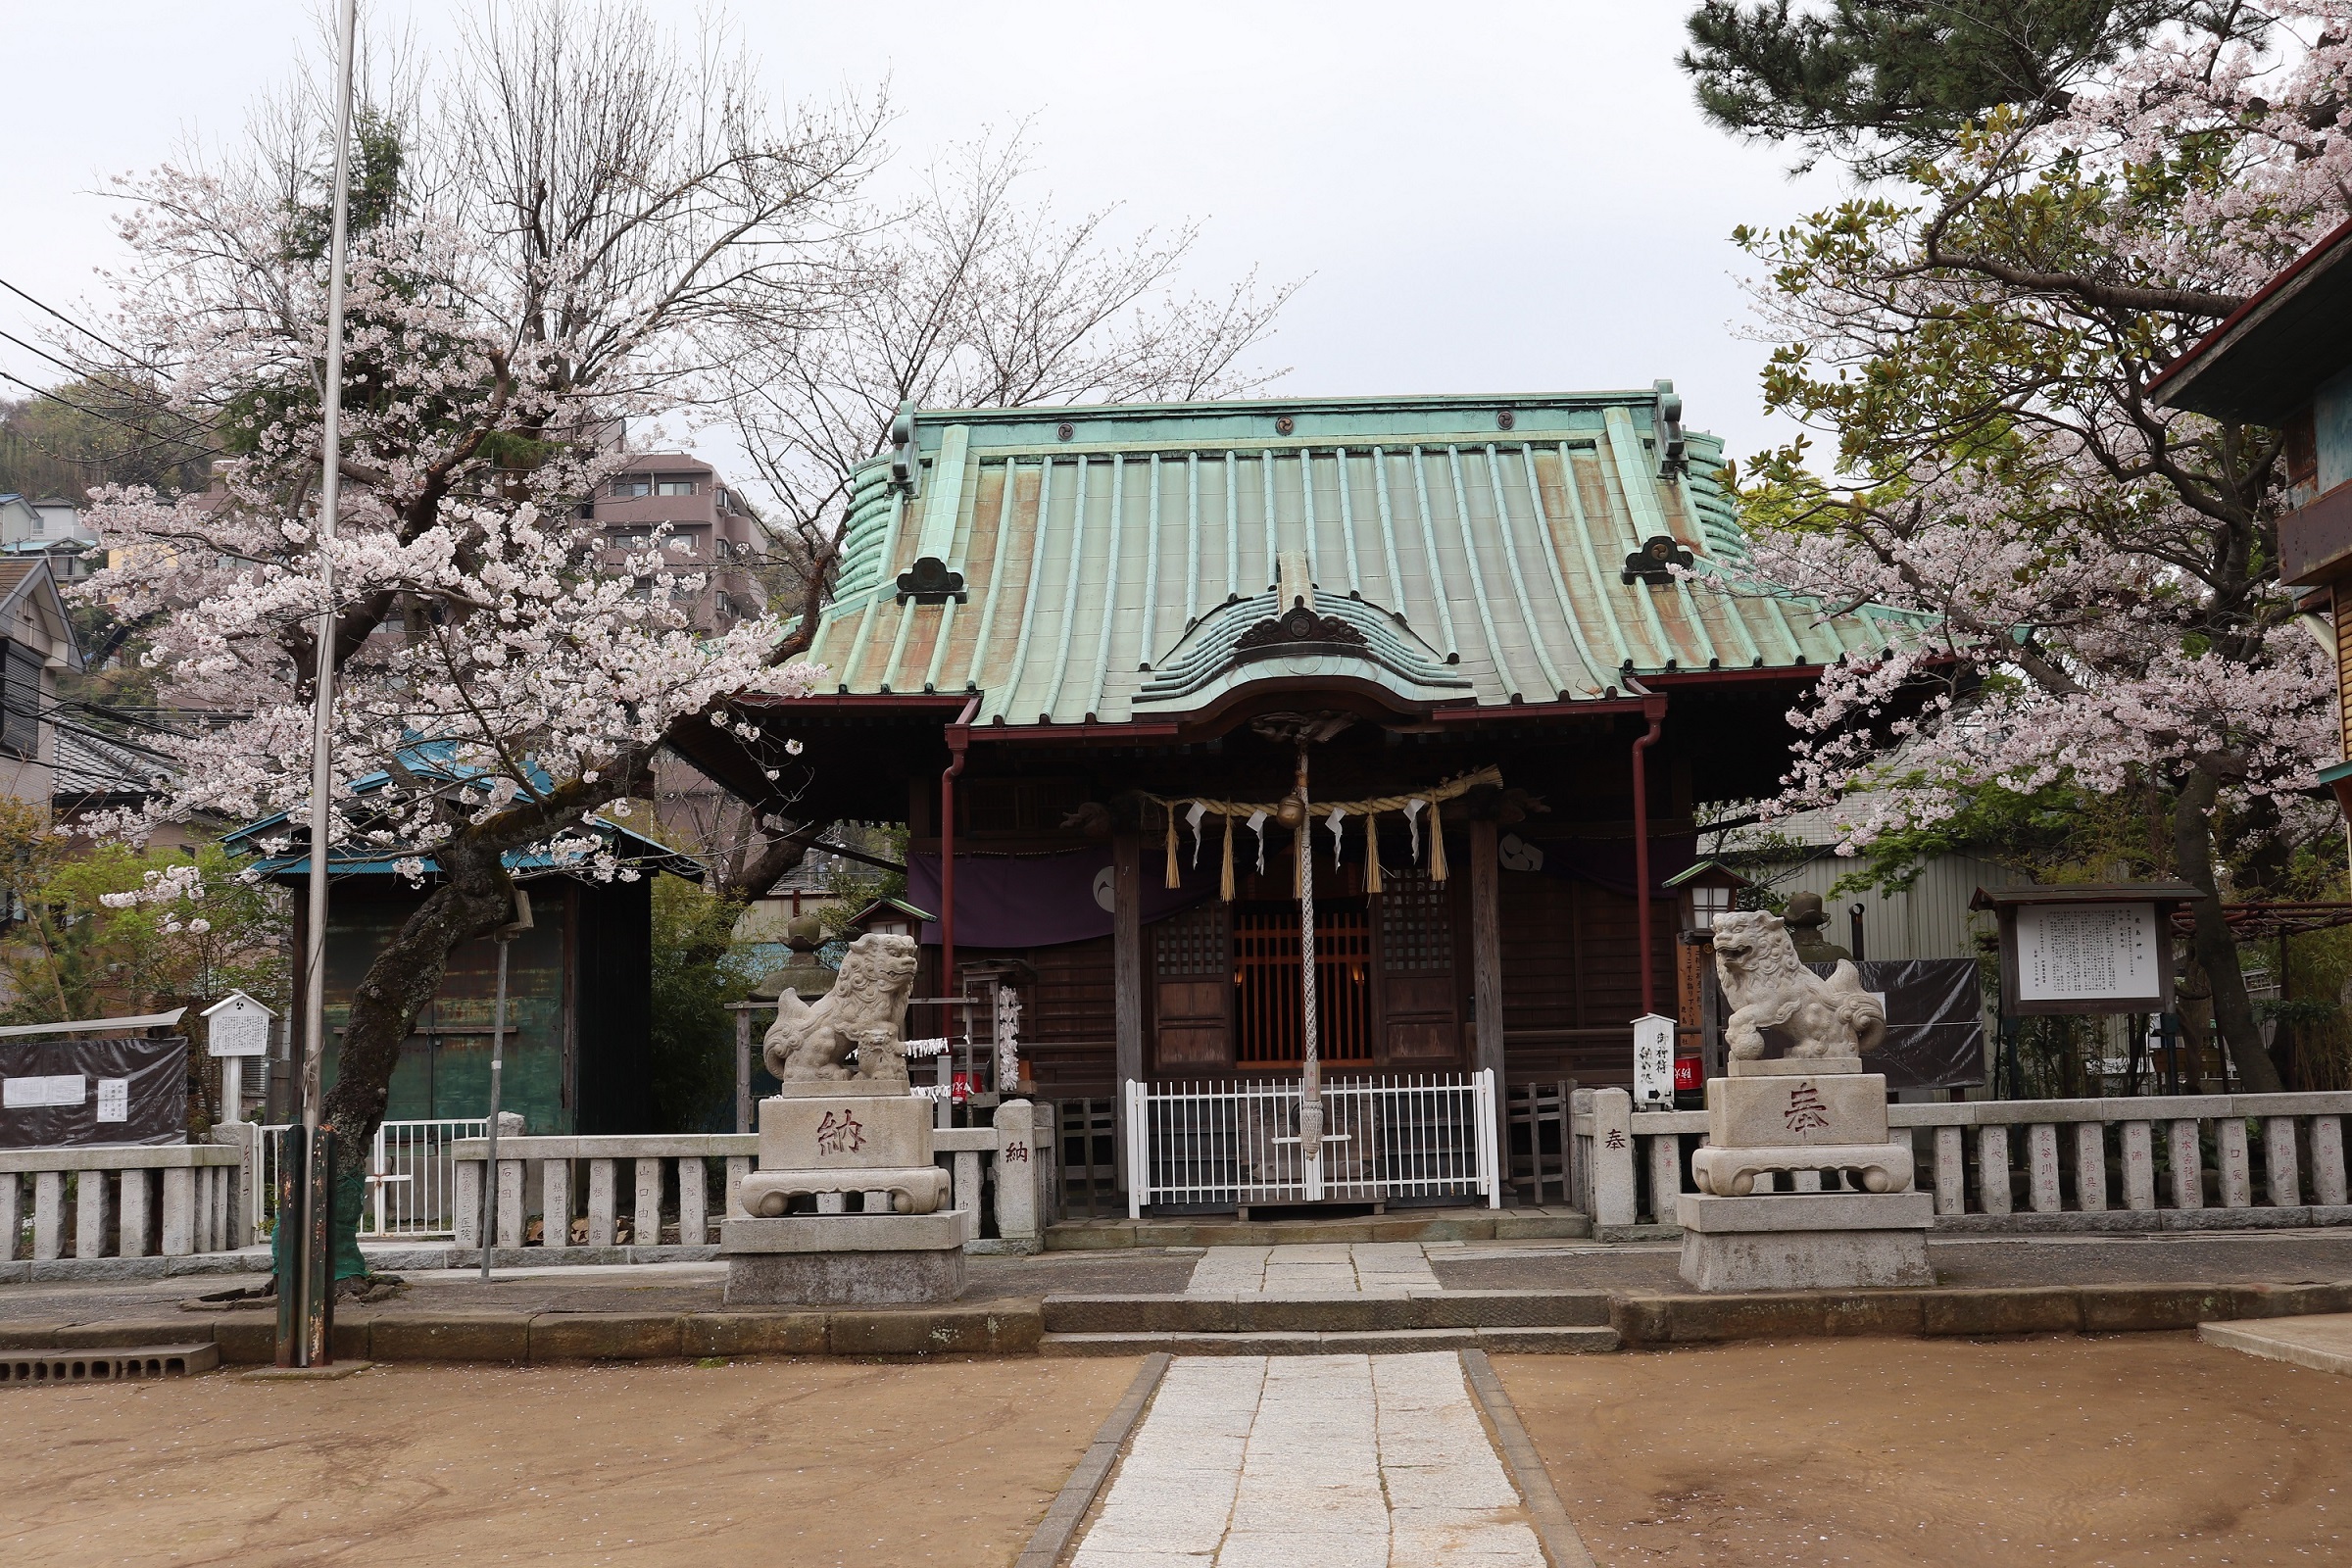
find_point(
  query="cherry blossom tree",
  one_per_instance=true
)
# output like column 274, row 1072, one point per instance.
column 2087, row 582
column 968, row 294
column 552, row 231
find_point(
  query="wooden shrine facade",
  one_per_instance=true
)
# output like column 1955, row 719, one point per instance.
column 1047, row 624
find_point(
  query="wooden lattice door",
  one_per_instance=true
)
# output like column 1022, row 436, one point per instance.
column 1419, row 995
column 1192, row 990
column 1267, row 994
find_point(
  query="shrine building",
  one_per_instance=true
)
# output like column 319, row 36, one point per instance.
column 1078, row 651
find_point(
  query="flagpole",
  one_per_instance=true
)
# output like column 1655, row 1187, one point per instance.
column 322, row 684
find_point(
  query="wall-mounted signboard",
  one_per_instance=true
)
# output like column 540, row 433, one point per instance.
column 2086, row 948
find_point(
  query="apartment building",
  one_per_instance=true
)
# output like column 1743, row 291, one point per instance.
column 710, row 529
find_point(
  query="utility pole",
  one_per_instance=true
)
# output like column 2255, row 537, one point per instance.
column 310, row 1312
column 505, row 936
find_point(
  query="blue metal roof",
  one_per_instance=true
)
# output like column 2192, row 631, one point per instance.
column 429, row 761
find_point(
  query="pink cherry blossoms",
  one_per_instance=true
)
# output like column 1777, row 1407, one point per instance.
column 2093, row 575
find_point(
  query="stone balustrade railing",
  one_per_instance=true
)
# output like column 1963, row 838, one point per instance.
column 2182, row 1161
column 669, row 1182
column 127, row 1201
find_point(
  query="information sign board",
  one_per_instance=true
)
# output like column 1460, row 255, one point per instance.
column 2085, row 948
column 2088, row 952
column 237, row 1026
column 1654, row 1060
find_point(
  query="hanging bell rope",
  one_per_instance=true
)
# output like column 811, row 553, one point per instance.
column 1256, row 813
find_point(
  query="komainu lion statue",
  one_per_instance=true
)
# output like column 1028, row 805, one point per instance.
column 1768, row 989
column 864, row 1012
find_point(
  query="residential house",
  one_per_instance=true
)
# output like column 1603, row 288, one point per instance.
column 37, row 644
column 50, row 526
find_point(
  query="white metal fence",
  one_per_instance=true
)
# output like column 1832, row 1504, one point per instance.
column 1236, row 1143
column 412, row 1176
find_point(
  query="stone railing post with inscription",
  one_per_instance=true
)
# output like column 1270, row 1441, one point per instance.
column 599, row 1192
column 2061, row 1165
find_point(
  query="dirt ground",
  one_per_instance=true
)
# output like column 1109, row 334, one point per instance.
column 800, row 1464
column 2139, row 1448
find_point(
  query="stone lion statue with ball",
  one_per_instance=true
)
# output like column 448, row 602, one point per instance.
column 1771, row 990
column 863, row 1013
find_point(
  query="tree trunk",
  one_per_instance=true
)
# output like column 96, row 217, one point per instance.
column 477, row 898
column 2193, row 1004
column 757, row 871
column 2211, row 941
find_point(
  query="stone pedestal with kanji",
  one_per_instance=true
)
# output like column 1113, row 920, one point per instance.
column 1800, row 1187
column 846, row 1208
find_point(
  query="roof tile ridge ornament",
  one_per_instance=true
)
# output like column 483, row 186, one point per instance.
column 906, row 454
column 1666, row 428
column 1296, row 625
column 1654, row 561
column 930, row 582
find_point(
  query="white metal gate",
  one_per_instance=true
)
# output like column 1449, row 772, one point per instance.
column 1211, row 1145
column 412, row 1176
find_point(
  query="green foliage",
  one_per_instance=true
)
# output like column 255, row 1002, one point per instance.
column 116, row 431
column 1882, row 80
column 377, row 162
column 2055, row 834
column 697, row 970
column 2316, row 1049
column 72, row 956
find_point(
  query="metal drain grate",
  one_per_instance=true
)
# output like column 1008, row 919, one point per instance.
column 128, row 1365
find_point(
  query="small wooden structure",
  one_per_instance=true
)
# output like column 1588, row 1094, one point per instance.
column 2284, row 360
column 579, row 984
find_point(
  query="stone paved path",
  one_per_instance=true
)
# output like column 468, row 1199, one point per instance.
column 1339, row 1268
column 1317, row 1462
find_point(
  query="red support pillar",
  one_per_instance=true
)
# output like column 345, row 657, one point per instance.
column 1653, row 709
column 959, row 737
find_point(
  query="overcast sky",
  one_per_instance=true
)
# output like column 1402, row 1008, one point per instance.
column 1498, row 198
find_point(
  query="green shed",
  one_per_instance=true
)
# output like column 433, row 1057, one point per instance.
column 579, row 985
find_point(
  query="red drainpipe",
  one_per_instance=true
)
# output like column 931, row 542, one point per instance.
column 1653, row 709
column 960, row 736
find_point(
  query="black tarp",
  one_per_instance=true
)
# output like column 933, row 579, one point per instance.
column 1934, row 1021
column 77, row 1092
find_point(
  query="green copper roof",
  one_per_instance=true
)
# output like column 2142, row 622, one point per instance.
column 1114, row 559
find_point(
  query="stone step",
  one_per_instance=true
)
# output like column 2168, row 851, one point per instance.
column 1325, row 1312
column 116, row 1364
column 1551, row 1223
column 1381, row 1342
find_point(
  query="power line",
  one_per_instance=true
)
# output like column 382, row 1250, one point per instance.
column 42, row 353
column 81, row 373
column 77, row 326
column 154, row 438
